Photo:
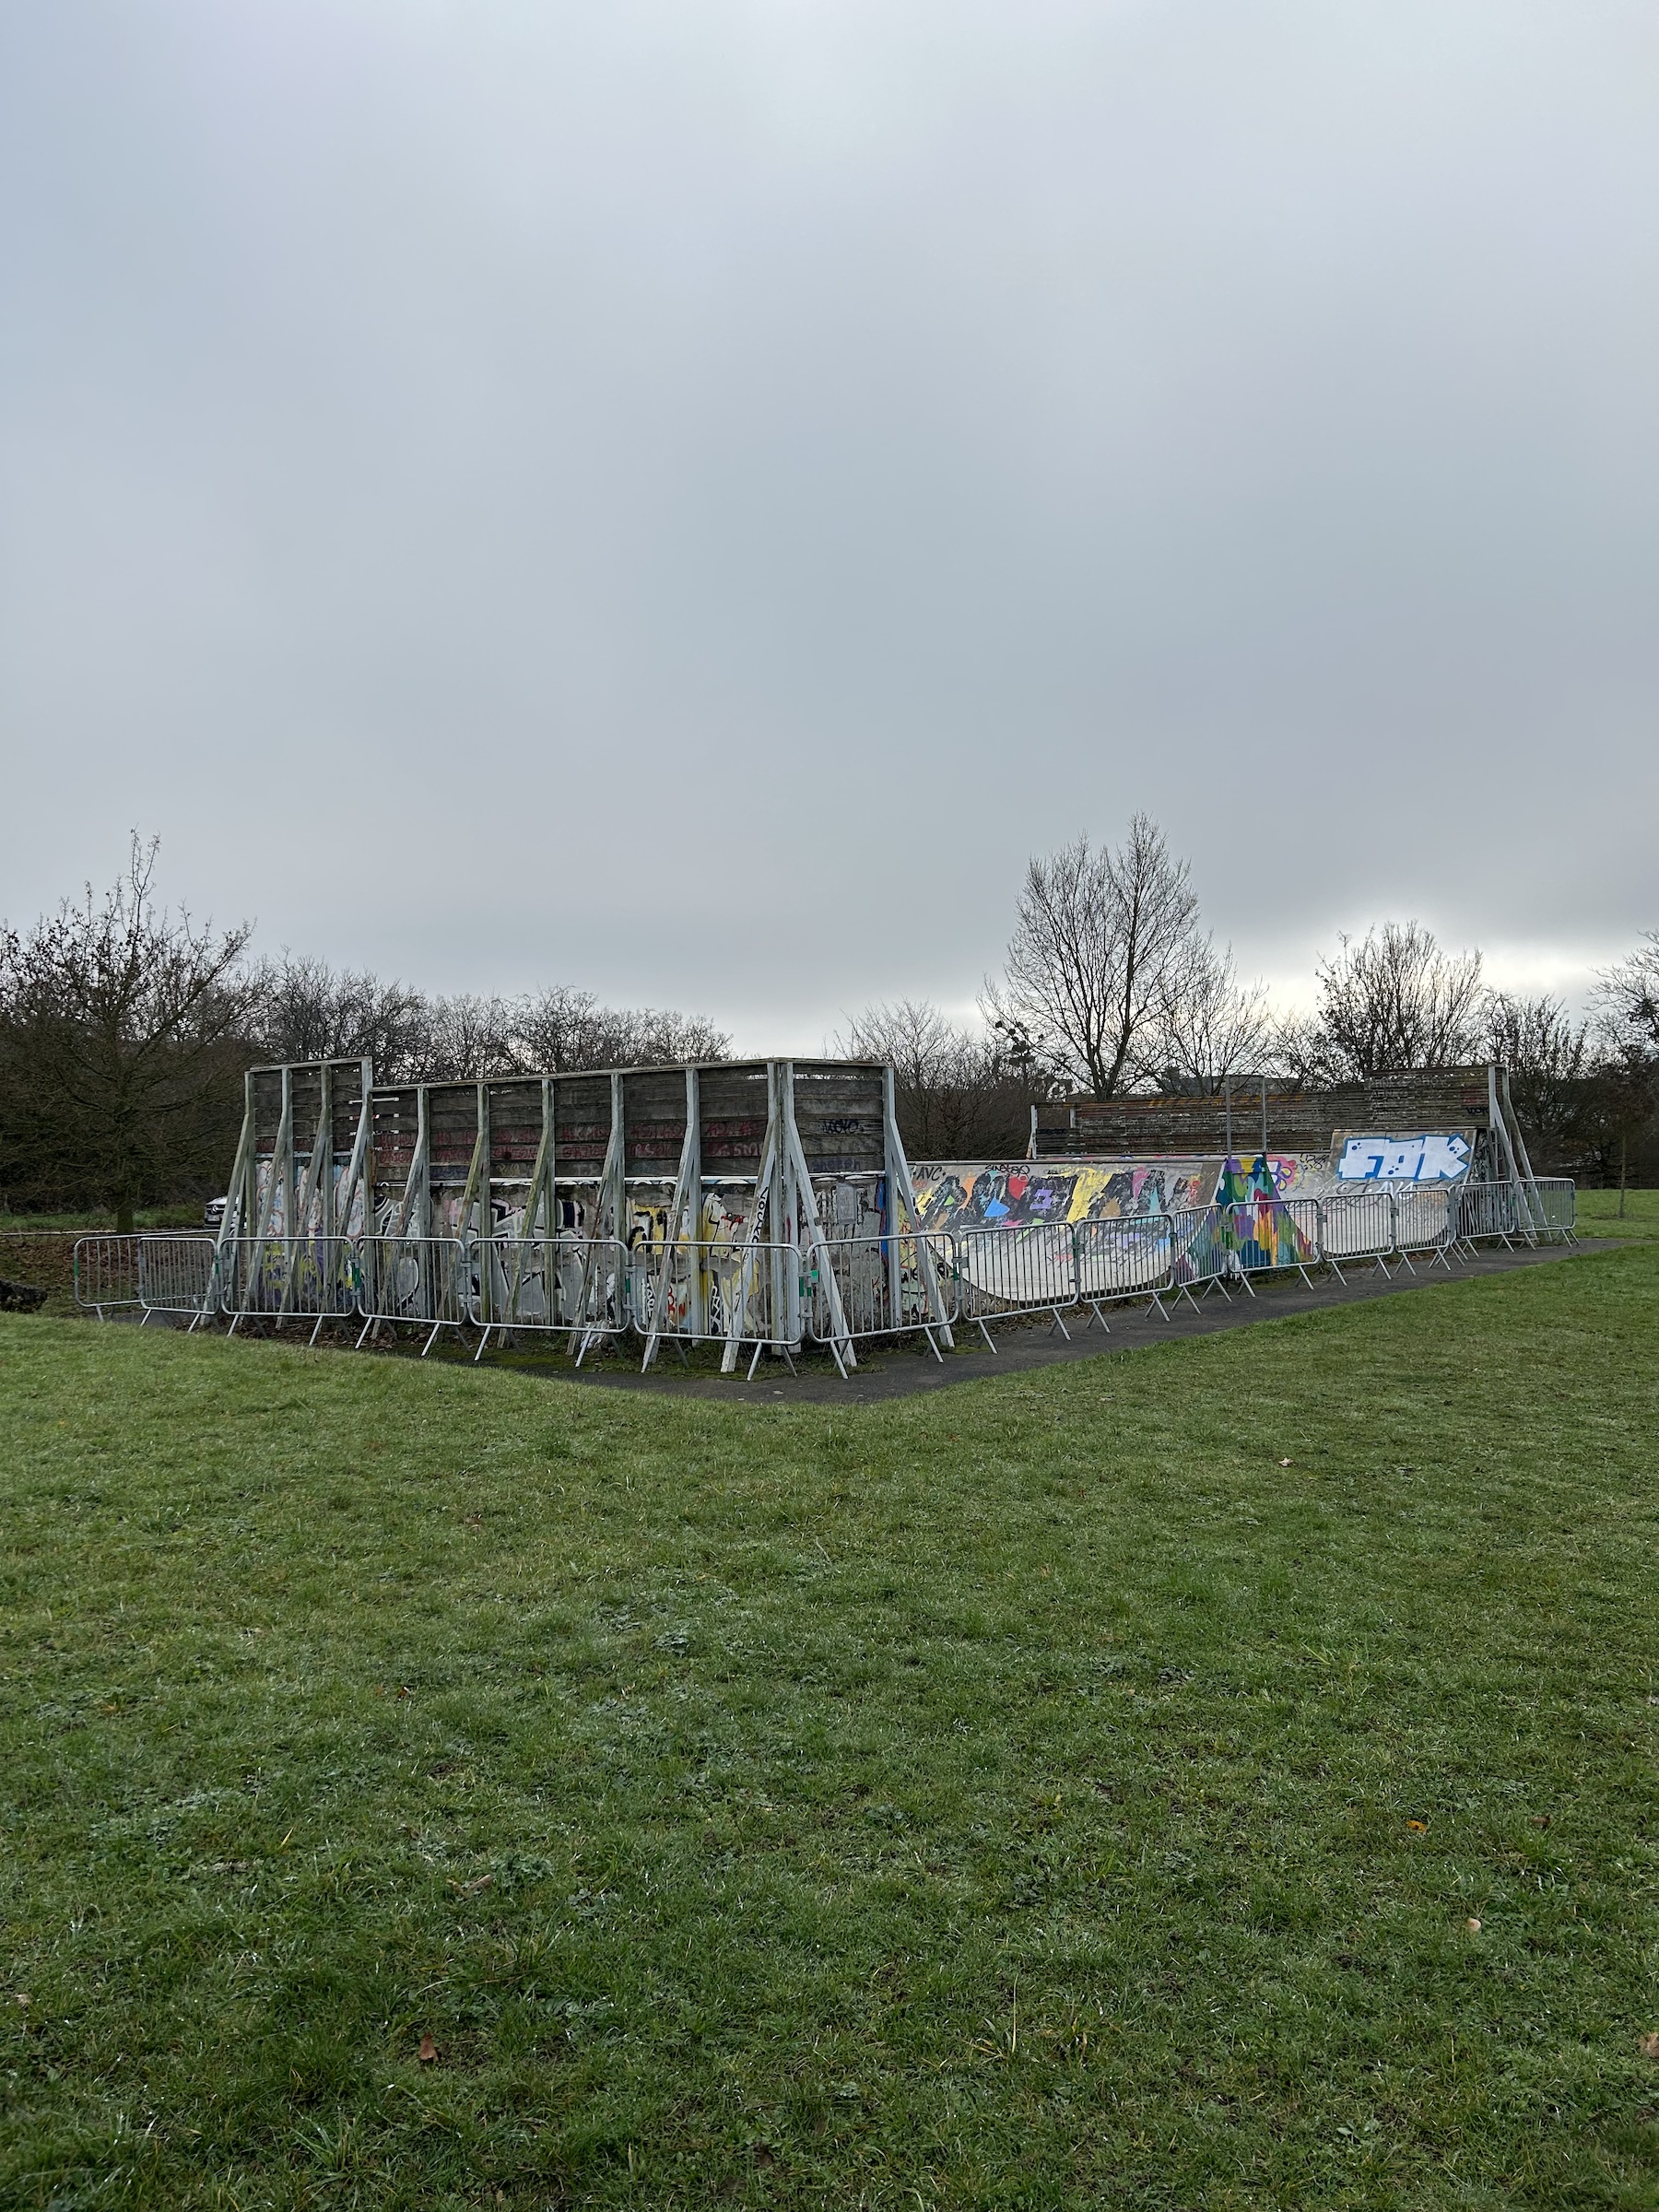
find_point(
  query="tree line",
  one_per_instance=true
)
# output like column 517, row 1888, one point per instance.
column 125, row 1029
column 1112, row 984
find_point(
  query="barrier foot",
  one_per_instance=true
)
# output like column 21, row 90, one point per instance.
column 483, row 1344
column 229, row 1332
column 432, row 1340
column 316, row 1332
column 986, row 1332
column 1058, row 1324
column 1095, row 1314
column 753, row 1363
column 680, row 1348
column 362, row 1339
column 1158, row 1308
column 932, row 1346
column 835, row 1354
column 1186, row 1292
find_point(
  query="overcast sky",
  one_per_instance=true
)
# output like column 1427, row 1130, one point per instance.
column 684, row 499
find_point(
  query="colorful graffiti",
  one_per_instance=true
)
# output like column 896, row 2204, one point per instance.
column 1041, row 1194
column 1252, row 1222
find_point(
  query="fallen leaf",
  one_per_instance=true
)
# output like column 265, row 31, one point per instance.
column 428, row 2051
column 471, row 1889
column 1650, row 2046
column 1473, row 1925
column 1540, row 1820
column 1418, row 1828
column 1284, row 1463
column 22, row 1997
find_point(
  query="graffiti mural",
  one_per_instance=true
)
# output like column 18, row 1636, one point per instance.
column 1041, row 1194
column 1254, row 1225
column 1442, row 1156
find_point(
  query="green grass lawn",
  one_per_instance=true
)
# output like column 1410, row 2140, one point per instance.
column 1598, row 1214
column 1037, row 1793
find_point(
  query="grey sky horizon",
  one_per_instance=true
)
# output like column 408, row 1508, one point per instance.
column 684, row 502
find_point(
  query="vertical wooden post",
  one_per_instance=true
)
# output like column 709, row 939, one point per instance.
column 617, row 1194
column 326, row 1185
column 486, row 1212
column 697, row 1290
column 890, row 1148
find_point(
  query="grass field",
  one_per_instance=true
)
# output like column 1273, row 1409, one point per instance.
column 1599, row 1216
column 1074, row 1790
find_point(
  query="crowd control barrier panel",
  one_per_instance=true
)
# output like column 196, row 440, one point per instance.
column 425, row 1281
column 893, row 1286
column 1130, row 1256
column 566, row 1285
column 1006, row 1272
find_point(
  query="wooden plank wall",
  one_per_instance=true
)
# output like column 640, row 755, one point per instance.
column 1297, row 1121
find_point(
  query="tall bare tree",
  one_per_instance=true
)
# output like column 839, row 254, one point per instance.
column 1547, row 1056
column 1628, row 997
column 1393, row 1000
column 1208, row 1025
column 1096, row 937
column 121, row 1039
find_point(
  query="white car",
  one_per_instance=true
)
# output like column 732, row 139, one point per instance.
column 213, row 1213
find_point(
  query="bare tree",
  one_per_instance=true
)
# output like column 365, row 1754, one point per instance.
column 1394, row 1000
column 1088, row 964
column 1628, row 997
column 120, row 1039
column 465, row 1038
column 1207, row 1025
column 565, row 1030
column 307, row 1010
column 1547, row 1056
column 957, row 1092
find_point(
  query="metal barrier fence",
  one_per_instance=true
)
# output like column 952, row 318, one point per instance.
column 1493, row 1213
column 106, row 1273
column 1308, row 1230
column 272, row 1278
column 1425, row 1222
column 178, row 1275
column 1265, row 1236
column 423, row 1280
column 556, row 1283
column 1559, row 1195
column 888, row 1287
column 1007, row 1271
column 148, row 1269
column 718, row 1290
column 772, row 1296
column 1199, row 1254
column 1357, row 1225
column 1131, row 1256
